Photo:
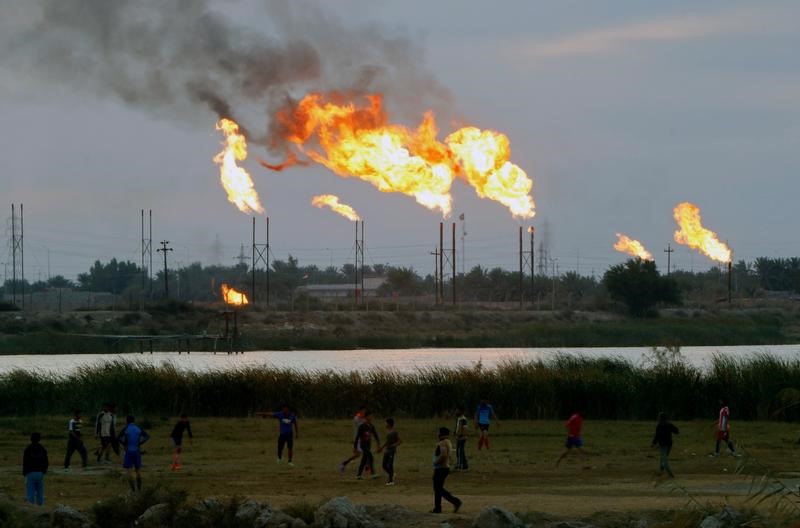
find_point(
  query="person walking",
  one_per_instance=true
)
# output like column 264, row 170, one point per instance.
column 663, row 439
column 364, row 436
column 358, row 419
column 131, row 438
column 723, row 433
column 462, row 430
column 441, row 469
column 34, row 467
column 75, row 441
column 104, row 430
column 392, row 441
column 176, row 437
column 483, row 416
column 287, row 431
column 574, row 437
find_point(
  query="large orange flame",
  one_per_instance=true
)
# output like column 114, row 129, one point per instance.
column 360, row 142
column 235, row 179
column 233, row 297
column 332, row 201
column 693, row 234
column 633, row 247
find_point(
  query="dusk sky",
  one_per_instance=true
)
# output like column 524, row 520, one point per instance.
column 617, row 111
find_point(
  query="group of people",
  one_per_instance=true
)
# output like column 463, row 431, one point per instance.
column 365, row 434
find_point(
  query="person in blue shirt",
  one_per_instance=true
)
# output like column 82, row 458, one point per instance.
column 131, row 438
column 483, row 415
column 287, row 431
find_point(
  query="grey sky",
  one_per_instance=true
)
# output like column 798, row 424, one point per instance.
column 617, row 110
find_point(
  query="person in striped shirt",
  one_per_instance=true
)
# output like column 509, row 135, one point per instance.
column 723, row 433
column 75, row 441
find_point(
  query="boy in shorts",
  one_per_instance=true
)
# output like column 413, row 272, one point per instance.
column 574, row 439
column 176, row 436
column 483, row 415
column 131, row 438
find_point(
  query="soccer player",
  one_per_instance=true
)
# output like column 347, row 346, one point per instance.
column 462, row 430
column 287, row 432
column 483, row 415
column 104, row 430
column 663, row 439
column 75, row 440
column 131, row 438
column 574, row 439
column 176, row 436
column 34, row 467
column 364, row 436
column 392, row 441
column 358, row 419
column 441, row 468
column 724, row 429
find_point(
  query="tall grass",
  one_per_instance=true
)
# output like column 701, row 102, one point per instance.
column 604, row 388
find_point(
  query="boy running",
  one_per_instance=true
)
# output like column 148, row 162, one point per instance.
column 34, row 467
column 358, row 419
column 176, row 436
column 287, row 431
column 574, row 439
column 132, row 437
column 364, row 436
column 104, row 430
column 663, row 439
column 441, row 468
column 75, row 441
column 724, row 429
column 483, row 415
column 462, row 428
column 392, row 441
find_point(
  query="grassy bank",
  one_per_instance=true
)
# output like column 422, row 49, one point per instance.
column 758, row 388
column 402, row 328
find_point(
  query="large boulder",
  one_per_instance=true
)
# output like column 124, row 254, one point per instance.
column 66, row 517
column 253, row 513
column 155, row 516
column 341, row 513
column 282, row 520
column 494, row 517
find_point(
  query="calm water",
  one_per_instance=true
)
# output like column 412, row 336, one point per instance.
column 406, row 360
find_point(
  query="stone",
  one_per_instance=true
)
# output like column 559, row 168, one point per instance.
column 711, row 522
column 66, row 517
column 341, row 513
column 730, row 517
column 569, row 524
column 253, row 513
column 155, row 516
column 494, row 517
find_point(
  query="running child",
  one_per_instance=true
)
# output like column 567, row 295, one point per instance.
column 663, row 439
column 131, row 438
column 287, row 431
column 75, row 441
column 392, row 441
column 483, row 415
column 574, row 439
column 176, row 436
column 358, row 419
column 462, row 430
column 364, row 436
column 723, row 433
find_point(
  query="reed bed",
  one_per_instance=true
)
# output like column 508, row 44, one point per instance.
column 758, row 388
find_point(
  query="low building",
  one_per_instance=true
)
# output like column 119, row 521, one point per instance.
column 339, row 291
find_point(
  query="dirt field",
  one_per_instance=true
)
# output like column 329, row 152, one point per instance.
column 237, row 457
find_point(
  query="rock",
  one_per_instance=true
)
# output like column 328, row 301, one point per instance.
column 155, row 516
column 711, row 522
column 278, row 519
column 494, row 517
column 569, row 524
column 66, row 517
column 253, row 513
column 341, row 513
column 730, row 517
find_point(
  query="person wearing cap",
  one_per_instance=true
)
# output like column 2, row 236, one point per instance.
column 441, row 468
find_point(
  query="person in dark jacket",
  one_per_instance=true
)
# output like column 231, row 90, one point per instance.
column 663, row 439
column 34, row 467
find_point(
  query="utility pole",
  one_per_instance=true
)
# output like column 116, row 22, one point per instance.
column 669, row 251
column 526, row 258
column 553, row 298
column 435, row 254
column 521, row 300
column 463, row 219
column 359, row 284
column 17, row 249
column 164, row 249
column 441, row 261
column 260, row 255
column 532, row 231
column 147, row 251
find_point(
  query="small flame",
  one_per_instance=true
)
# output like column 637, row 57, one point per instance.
column 693, row 234
column 332, row 201
column 233, row 297
column 632, row 247
column 235, row 179
column 531, row 229
column 361, row 142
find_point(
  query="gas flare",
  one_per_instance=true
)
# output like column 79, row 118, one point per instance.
column 233, row 297
column 633, row 247
column 693, row 234
column 360, row 142
column 235, row 179
column 332, row 201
